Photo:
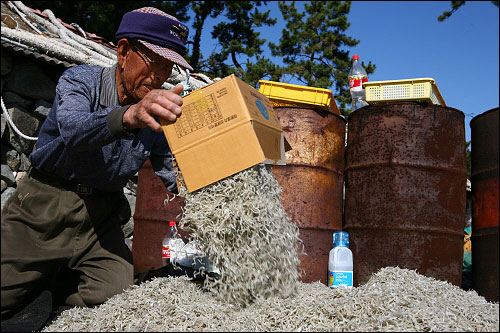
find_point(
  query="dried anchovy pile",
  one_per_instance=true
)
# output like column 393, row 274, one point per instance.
column 394, row 299
column 241, row 225
column 247, row 234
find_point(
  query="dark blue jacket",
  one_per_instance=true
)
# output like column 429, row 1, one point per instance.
column 82, row 138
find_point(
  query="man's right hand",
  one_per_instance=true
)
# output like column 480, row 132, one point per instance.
column 165, row 104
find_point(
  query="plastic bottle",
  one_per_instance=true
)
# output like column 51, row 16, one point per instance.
column 357, row 76
column 167, row 243
column 340, row 268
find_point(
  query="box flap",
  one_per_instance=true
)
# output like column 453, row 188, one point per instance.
column 259, row 107
column 222, row 156
column 269, row 140
column 284, row 147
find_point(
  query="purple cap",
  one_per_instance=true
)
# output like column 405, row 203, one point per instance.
column 161, row 33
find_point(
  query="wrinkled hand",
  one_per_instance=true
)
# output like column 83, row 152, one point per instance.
column 165, row 104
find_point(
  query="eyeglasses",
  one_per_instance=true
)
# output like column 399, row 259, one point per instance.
column 162, row 66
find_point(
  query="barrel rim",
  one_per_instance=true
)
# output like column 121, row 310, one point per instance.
column 340, row 116
column 378, row 105
column 483, row 114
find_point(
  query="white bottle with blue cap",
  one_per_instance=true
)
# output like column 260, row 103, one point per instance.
column 340, row 268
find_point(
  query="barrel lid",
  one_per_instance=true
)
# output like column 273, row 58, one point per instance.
column 484, row 114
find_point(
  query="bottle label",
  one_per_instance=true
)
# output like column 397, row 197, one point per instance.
column 356, row 82
column 165, row 252
column 340, row 278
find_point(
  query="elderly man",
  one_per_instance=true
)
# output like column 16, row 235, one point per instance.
column 66, row 214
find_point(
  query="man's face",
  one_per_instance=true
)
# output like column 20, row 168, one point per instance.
column 143, row 70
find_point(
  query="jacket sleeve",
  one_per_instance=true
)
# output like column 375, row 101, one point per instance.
column 82, row 124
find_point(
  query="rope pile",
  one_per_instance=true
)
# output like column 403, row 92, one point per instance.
column 69, row 46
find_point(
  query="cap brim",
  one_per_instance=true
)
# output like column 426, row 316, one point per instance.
column 167, row 54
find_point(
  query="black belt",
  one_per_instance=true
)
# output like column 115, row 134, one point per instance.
column 63, row 183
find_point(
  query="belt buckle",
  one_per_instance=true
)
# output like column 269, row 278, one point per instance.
column 83, row 189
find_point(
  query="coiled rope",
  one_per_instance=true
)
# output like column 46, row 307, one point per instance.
column 54, row 26
column 11, row 123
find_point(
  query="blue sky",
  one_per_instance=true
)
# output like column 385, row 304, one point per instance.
column 405, row 40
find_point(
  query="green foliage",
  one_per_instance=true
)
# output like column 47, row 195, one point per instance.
column 237, row 36
column 263, row 68
column 455, row 5
column 313, row 47
column 202, row 10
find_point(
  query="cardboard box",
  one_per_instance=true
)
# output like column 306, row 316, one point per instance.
column 225, row 127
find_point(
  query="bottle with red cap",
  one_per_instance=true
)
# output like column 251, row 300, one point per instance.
column 357, row 76
column 167, row 243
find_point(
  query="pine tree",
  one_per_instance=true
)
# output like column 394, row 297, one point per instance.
column 237, row 36
column 313, row 47
column 455, row 5
column 202, row 10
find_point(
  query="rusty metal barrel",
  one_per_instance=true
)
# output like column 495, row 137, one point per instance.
column 151, row 218
column 405, row 189
column 312, row 181
column 484, row 181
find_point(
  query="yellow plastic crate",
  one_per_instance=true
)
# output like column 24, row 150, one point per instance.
column 422, row 89
column 285, row 94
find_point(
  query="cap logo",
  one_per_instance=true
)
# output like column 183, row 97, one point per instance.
column 181, row 30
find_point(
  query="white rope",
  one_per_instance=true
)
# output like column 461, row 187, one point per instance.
column 103, row 52
column 23, row 17
column 182, row 76
column 206, row 78
column 79, row 29
column 65, row 33
column 18, row 44
column 57, row 28
column 11, row 123
column 40, row 41
column 50, row 27
column 52, row 47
